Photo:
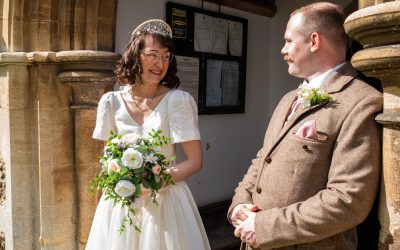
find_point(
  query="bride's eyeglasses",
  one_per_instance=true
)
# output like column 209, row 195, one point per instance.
column 154, row 57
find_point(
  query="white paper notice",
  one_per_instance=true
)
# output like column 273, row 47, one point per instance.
column 188, row 73
column 235, row 38
column 219, row 29
column 202, row 33
column 213, row 92
column 230, row 83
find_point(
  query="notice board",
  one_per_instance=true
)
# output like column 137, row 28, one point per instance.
column 210, row 49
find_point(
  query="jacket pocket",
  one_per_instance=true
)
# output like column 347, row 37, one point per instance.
column 322, row 137
column 310, row 161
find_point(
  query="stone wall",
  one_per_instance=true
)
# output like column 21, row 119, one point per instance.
column 54, row 67
column 56, row 25
column 47, row 114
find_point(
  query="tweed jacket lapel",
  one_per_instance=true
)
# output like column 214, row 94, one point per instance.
column 290, row 123
column 282, row 113
column 335, row 83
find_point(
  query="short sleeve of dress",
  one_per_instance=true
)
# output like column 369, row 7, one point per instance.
column 182, row 115
column 105, row 120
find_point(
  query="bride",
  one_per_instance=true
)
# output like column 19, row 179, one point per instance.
column 152, row 101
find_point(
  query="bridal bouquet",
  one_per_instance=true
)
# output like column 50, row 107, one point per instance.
column 129, row 164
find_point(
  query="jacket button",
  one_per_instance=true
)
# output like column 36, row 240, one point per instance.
column 258, row 190
column 268, row 160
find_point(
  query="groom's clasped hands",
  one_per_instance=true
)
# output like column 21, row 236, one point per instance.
column 242, row 217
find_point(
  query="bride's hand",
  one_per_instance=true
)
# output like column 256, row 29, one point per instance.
column 145, row 193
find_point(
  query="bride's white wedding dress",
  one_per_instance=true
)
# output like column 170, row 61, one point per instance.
column 174, row 224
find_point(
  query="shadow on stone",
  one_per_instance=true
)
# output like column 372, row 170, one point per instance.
column 368, row 231
column 219, row 230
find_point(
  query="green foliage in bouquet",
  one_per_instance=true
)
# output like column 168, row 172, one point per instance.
column 129, row 164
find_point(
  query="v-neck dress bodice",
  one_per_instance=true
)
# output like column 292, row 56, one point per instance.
column 175, row 224
column 175, row 115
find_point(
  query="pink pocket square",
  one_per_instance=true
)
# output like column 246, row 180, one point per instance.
column 308, row 130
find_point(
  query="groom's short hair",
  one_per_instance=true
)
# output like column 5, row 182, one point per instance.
column 324, row 18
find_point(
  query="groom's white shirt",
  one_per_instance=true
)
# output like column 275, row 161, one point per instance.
column 319, row 80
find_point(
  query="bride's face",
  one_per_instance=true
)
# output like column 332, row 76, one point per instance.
column 154, row 60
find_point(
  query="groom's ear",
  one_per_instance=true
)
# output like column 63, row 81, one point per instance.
column 315, row 40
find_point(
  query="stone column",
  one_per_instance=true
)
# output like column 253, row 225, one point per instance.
column 54, row 153
column 90, row 75
column 57, row 25
column 49, row 156
column 16, row 206
column 377, row 29
column 36, row 145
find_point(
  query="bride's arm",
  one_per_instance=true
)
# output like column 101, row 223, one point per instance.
column 184, row 169
column 191, row 164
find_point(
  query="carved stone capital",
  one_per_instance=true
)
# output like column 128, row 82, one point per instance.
column 382, row 62
column 89, row 73
column 375, row 25
column 389, row 120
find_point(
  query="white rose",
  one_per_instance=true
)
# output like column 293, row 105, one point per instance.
column 113, row 166
column 132, row 158
column 125, row 188
column 130, row 138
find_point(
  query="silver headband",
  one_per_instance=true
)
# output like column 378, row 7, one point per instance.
column 153, row 25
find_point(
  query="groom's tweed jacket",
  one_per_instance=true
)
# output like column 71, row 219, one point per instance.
column 312, row 193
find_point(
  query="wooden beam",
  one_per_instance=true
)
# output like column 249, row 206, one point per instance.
column 258, row 7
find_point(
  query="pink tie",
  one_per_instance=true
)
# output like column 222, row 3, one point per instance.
column 296, row 104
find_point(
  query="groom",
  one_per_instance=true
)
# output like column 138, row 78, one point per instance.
column 317, row 174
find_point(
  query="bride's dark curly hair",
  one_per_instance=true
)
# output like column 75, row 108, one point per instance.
column 128, row 68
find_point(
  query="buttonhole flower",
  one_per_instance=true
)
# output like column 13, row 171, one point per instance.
column 309, row 96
